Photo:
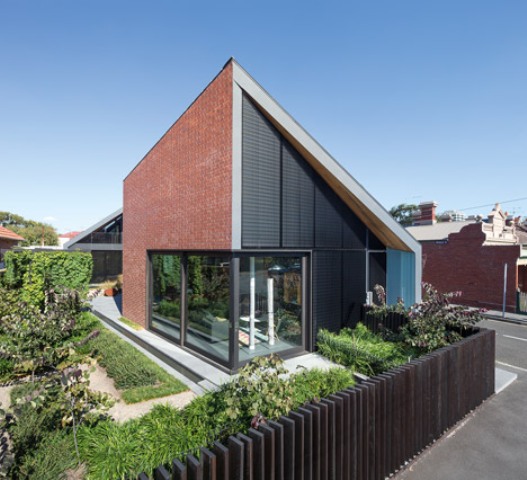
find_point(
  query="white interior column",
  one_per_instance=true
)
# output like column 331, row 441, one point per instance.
column 270, row 310
column 252, row 296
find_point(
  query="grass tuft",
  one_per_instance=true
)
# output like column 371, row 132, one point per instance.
column 361, row 350
column 138, row 377
column 131, row 324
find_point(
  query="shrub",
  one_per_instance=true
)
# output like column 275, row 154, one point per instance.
column 47, row 412
column 361, row 350
column 435, row 322
column 35, row 340
column 36, row 272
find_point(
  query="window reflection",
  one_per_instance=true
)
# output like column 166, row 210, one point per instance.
column 208, row 295
column 166, row 301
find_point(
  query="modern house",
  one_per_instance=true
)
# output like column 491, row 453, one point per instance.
column 470, row 256
column 8, row 240
column 104, row 241
column 244, row 237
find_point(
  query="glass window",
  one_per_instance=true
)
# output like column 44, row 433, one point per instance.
column 270, row 305
column 166, row 295
column 208, row 297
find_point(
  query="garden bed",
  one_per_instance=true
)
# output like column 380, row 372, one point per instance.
column 365, row 432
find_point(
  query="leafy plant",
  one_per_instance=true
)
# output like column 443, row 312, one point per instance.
column 315, row 384
column 249, row 394
column 78, row 403
column 435, row 322
column 59, row 403
column 36, row 340
column 36, row 272
column 361, row 350
column 124, row 450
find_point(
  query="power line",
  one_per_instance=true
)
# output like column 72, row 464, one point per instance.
column 492, row 204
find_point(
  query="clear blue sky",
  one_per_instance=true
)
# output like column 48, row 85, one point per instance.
column 419, row 100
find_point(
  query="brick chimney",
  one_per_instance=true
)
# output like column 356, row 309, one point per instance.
column 427, row 213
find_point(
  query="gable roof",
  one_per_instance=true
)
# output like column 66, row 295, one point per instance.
column 93, row 228
column 7, row 234
column 351, row 192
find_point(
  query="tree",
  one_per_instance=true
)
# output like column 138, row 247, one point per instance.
column 403, row 213
column 33, row 232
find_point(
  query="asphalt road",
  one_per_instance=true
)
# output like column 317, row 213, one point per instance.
column 490, row 443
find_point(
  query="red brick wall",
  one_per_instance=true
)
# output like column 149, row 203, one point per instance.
column 464, row 264
column 179, row 197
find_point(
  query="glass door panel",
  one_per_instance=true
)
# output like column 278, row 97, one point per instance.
column 270, row 305
column 166, row 295
column 208, row 299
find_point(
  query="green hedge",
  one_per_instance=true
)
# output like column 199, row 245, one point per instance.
column 35, row 272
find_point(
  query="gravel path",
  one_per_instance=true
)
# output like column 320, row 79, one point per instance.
column 121, row 411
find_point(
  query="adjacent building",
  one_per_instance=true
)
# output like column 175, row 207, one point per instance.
column 244, row 237
column 104, row 240
column 478, row 257
column 8, row 240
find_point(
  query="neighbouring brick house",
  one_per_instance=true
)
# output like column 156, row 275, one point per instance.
column 243, row 236
column 469, row 256
column 8, row 240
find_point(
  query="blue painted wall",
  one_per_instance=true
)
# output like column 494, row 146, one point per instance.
column 400, row 276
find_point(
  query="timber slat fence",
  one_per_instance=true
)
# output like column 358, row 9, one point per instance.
column 366, row 432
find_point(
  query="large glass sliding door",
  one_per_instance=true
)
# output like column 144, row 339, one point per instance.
column 230, row 308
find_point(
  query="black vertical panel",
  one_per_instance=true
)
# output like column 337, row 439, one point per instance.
column 354, row 232
column 260, row 179
column 327, row 293
column 328, row 218
column 353, row 286
column 377, row 274
column 374, row 243
column 298, row 193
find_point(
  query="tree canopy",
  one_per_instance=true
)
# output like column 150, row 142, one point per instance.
column 403, row 213
column 33, row 232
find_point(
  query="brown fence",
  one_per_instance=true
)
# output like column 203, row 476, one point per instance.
column 365, row 432
column 375, row 322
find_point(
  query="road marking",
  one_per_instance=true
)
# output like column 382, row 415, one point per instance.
column 516, row 338
column 512, row 366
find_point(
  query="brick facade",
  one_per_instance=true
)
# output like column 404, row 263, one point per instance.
column 465, row 264
column 179, row 197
